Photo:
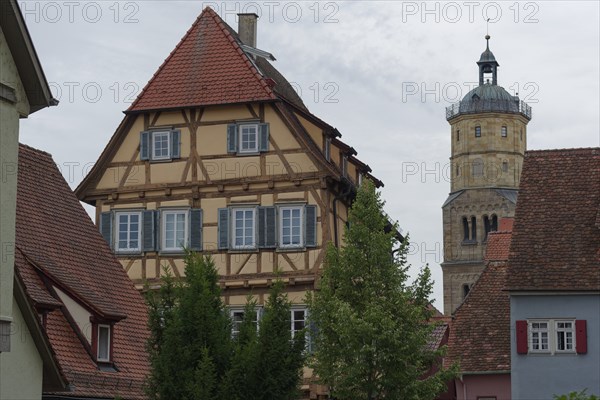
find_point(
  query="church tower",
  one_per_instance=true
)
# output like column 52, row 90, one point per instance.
column 489, row 138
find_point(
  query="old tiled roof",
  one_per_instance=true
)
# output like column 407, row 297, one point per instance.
column 59, row 246
column 480, row 330
column 556, row 243
column 498, row 246
column 207, row 67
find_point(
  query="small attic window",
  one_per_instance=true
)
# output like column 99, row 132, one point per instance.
column 102, row 342
column 475, row 97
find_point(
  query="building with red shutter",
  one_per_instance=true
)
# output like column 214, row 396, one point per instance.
column 554, row 275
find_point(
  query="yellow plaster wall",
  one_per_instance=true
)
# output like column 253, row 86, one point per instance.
column 131, row 142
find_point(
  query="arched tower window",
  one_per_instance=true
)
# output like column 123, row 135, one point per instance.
column 465, row 228
column 504, row 131
column 494, row 225
column 477, row 131
column 478, row 167
column 490, row 224
column 458, row 135
column 473, row 228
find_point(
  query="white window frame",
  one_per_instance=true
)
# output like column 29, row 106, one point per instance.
column 539, row 332
column 163, row 229
column 252, row 245
column 292, row 321
column 109, row 338
column 291, row 208
column 552, row 330
column 235, row 326
column 117, row 230
column 253, row 150
column 153, row 138
column 565, row 330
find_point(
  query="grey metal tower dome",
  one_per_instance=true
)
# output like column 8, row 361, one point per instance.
column 488, row 96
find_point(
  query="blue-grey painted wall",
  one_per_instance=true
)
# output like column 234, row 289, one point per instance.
column 541, row 376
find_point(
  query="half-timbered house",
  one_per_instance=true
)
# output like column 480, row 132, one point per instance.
column 220, row 155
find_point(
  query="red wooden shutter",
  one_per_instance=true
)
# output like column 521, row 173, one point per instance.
column 521, row 337
column 581, row 336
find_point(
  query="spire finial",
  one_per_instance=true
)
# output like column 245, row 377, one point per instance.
column 487, row 33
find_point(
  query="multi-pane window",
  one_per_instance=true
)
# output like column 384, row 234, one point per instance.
column 244, row 228
column 128, row 231
column 298, row 321
column 564, row 336
column 237, row 317
column 174, row 230
column 504, row 131
column 539, row 337
column 103, row 351
column 161, row 145
column 248, row 138
column 291, row 221
column 477, row 131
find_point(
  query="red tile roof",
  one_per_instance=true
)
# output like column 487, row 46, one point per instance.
column 207, row 67
column 480, row 330
column 58, row 245
column 556, row 241
column 498, row 246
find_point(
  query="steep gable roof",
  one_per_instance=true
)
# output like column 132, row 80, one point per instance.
column 556, row 243
column 58, row 245
column 480, row 330
column 207, row 67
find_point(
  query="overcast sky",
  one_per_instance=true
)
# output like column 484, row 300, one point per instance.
column 381, row 72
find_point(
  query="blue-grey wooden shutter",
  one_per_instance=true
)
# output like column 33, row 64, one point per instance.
column 232, row 138
column 263, row 137
column 150, row 224
column 310, row 214
column 145, row 146
column 196, row 229
column 176, row 144
column 106, row 227
column 223, row 228
column 267, row 227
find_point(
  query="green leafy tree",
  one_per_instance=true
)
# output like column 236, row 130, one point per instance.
column 267, row 365
column 373, row 325
column 190, row 343
column 577, row 396
column 280, row 357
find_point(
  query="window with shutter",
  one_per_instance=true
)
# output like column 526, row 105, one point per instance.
column 247, row 138
column 174, row 230
column 243, row 228
column 128, row 228
column 291, row 223
column 160, row 145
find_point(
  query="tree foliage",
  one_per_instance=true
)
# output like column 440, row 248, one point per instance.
column 192, row 352
column 582, row 395
column 190, row 346
column 373, row 326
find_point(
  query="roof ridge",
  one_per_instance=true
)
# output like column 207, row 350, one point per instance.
column 169, row 87
column 160, row 68
column 572, row 150
column 223, row 26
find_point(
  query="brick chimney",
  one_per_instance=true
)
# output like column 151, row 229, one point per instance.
column 247, row 28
